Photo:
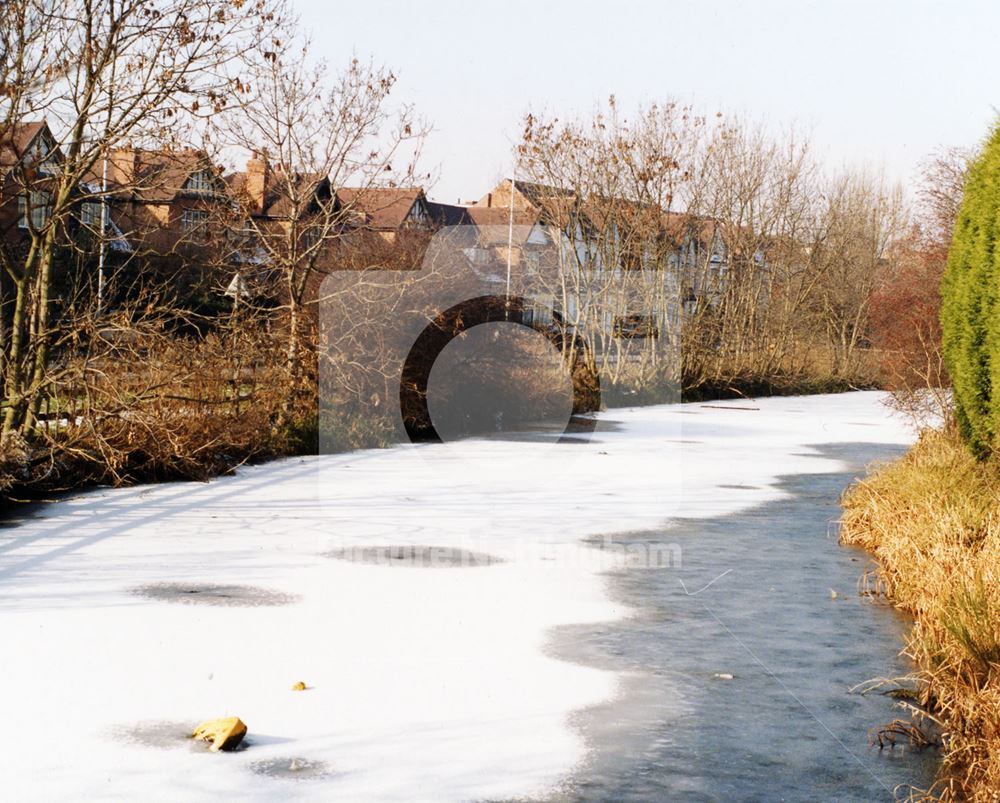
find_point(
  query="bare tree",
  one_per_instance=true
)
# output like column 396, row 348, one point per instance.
column 103, row 73
column 775, row 264
column 752, row 211
column 604, row 187
column 862, row 218
column 941, row 186
column 312, row 133
column 25, row 42
column 906, row 309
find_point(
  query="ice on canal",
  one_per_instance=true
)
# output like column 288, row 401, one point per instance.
column 414, row 590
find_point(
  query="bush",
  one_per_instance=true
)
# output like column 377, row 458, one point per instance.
column 970, row 317
column 132, row 401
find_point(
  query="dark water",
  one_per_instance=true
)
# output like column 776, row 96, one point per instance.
column 786, row 726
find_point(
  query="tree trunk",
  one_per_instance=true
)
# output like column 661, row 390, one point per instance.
column 13, row 380
column 41, row 342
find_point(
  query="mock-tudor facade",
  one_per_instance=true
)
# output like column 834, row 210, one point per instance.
column 29, row 164
column 695, row 251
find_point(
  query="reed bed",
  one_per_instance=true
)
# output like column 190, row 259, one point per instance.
column 932, row 522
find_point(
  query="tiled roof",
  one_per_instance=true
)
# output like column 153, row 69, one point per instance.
column 500, row 216
column 384, row 209
column 494, row 224
column 281, row 189
column 155, row 176
column 448, row 214
column 16, row 141
column 538, row 194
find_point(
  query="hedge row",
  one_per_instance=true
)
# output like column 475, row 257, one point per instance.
column 970, row 315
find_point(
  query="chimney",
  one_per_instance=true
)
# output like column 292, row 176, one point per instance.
column 123, row 166
column 489, row 199
column 258, row 172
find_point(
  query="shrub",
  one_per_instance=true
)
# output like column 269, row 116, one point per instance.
column 970, row 317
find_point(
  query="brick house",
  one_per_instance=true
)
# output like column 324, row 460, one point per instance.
column 387, row 210
column 167, row 202
column 29, row 159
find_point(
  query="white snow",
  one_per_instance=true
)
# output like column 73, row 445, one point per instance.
column 425, row 683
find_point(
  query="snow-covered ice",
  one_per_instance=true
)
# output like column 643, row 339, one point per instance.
column 428, row 683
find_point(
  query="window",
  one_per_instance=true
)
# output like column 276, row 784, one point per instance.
column 312, row 236
column 42, row 156
column 90, row 214
column 245, row 245
column 241, row 235
column 536, row 314
column 195, row 223
column 201, row 182
column 418, row 216
column 37, row 205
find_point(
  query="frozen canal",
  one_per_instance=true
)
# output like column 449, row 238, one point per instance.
column 645, row 614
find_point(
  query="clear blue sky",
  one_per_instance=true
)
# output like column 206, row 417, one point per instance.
column 884, row 81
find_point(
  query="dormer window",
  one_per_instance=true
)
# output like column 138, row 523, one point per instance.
column 418, row 215
column 42, row 155
column 202, row 182
column 312, row 236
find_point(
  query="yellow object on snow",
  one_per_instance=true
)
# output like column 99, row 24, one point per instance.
column 224, row 734
column 300, row 686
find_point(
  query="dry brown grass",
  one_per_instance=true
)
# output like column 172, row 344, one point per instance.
column 149, row 406
column 932, row 521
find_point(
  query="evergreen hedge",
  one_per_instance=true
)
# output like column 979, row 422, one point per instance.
column 970, row 317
